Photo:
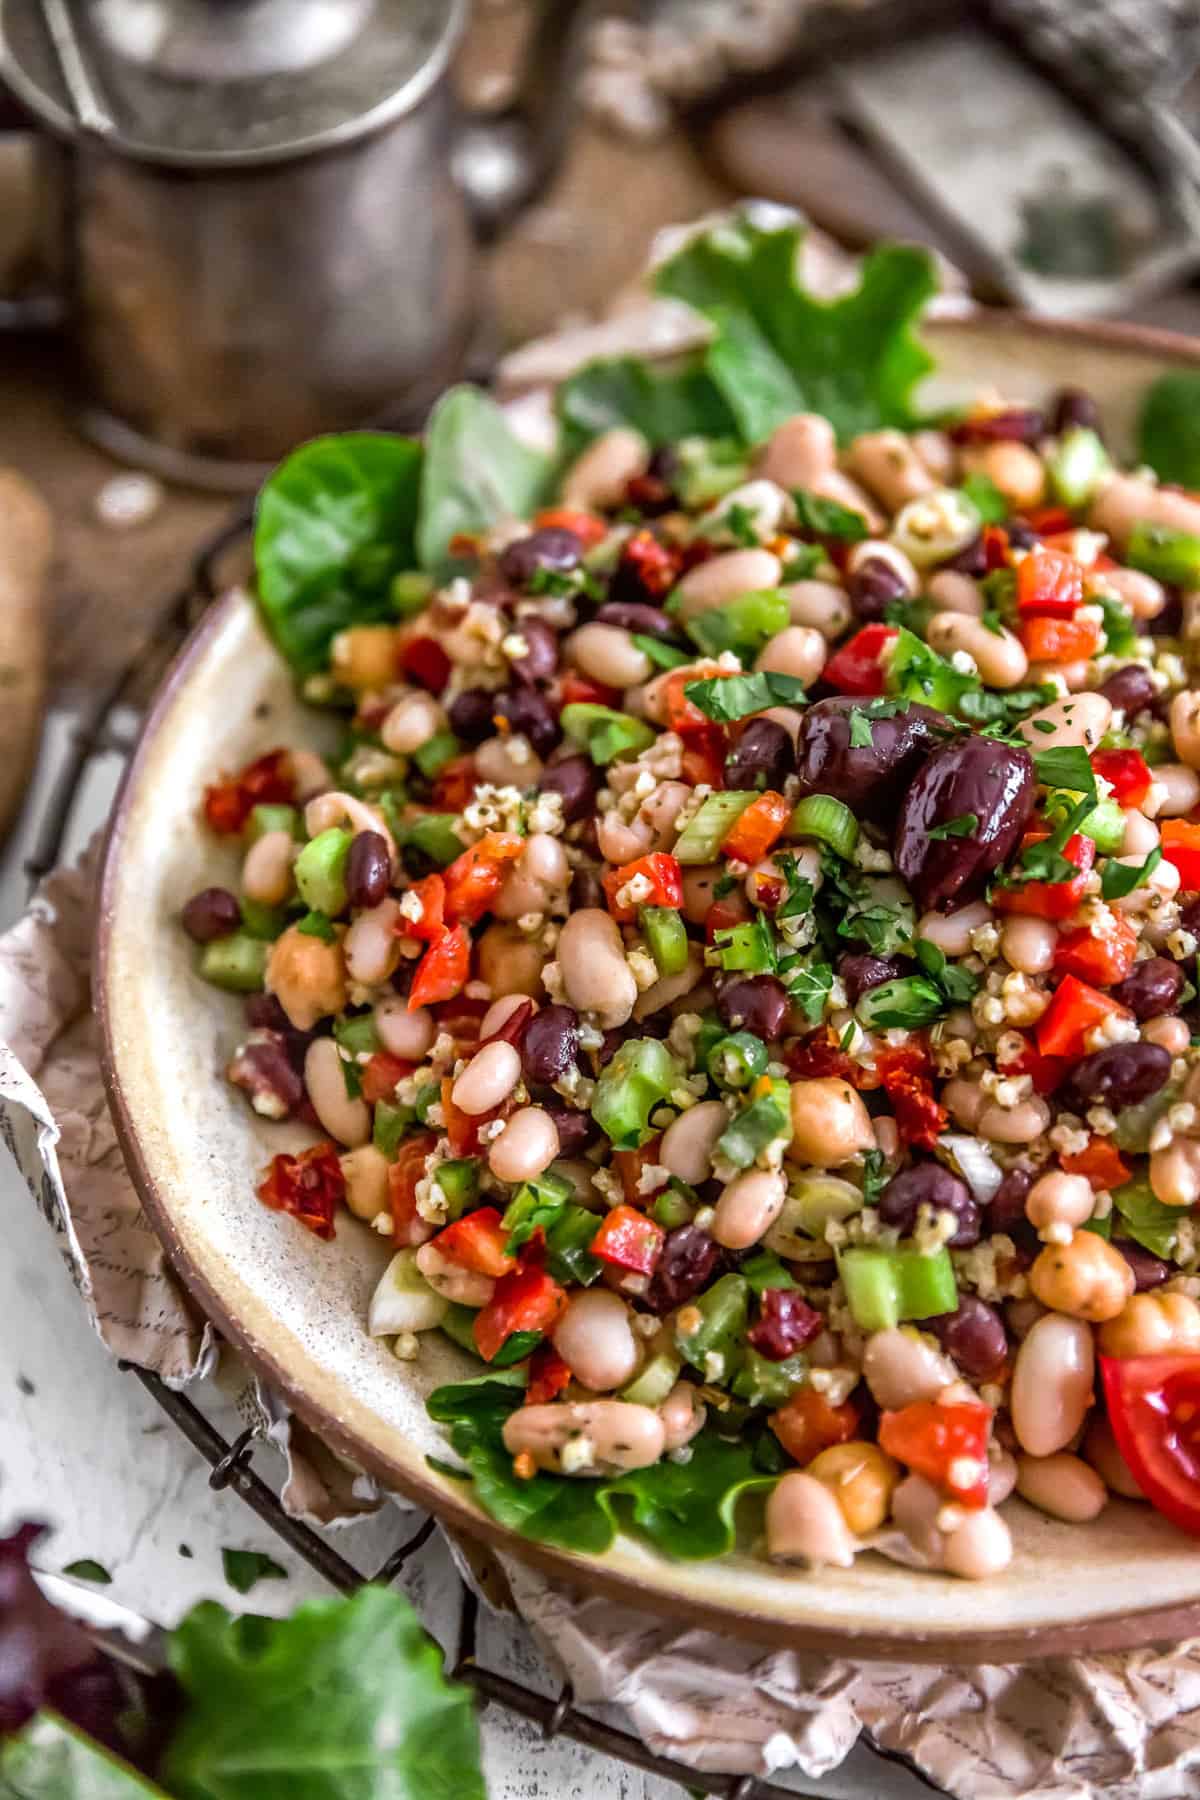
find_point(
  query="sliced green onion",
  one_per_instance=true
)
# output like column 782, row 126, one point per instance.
column 1167, row 554
column 748, row 948
column 1075, row 466
column 667, row 938
column 822, row 817
column 710, row 825
column 737, row 1060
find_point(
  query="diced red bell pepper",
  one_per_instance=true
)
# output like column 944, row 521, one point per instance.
column 1049, row 585
column 525, row 1300
column 1050, row 522
column 683, row 716
column 703, row 759
column 1126, row 774
column 1074, row 1012
column 629, row 1165
column 431, row 892
column 454, row 785
column 1102, row 1164
column 309, row 1185
column 478, row 1241
column 474, row 879
column 808, row 1423
column 1050, row 899
column 758, row 828
column 629, row 1240
column 1181, row 846
column 408, row 1227
column 268, row 781
column 426, row 662
column 578, row 690
column 730, row 909
column 659, row 873
column 995, row 548
column 548, row 1376
column 443, row 970
column 587, row 526
column 860, row 665
column 1060, row 640
column 648, row 564
column 948, row 1445
column 460, row 1018
column 1102, row 952
column 1046, row 1072
column 380, row 1075
column 462, row 1128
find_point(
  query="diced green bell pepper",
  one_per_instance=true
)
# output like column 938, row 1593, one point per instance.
column 433, row 755
column 713, row 1342
column 411, row 593
column 764, row 1383
column 458, row 1179
column 458, row 1323
column 915, row 672
column 237, row 963
column 742, row 625
column 431, row 838
column 321, row 871
column 515, row 1349
column 765, row 1271
column 357, row 1035
column 639, row 1078
column 672, row 1208
column 1167, row 554
column 265, row 922
column 666, row 938
column 884, row 1287
column 391, row 1124
column 266, row 818
column 767, row 1117
column 1105, row 825
column 710, row 825
column 604, row 733
column 535, row 1203
column 568, row 1246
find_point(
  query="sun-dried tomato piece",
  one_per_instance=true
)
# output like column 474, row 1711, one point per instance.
column 310, row 1186
column 268, row 781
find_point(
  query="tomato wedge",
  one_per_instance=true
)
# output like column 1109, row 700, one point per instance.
column 1154, row 1410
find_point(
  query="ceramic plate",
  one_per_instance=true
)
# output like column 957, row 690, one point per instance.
column 296, row 1307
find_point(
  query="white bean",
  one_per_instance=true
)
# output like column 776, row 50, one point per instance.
column 310, row 774
column 1002, row 1475
column 347, row 810
column 805, row 1523
column 953, row 592
column 499, row 1013
column 1128, row 499
column 526, row 1147
column 537, row 881
column 936, row 450
column 1052, row 1383
column 599, row 477
column 508, row 761
column 1014, row 1124
column 1174, row 790
column 372, row 944
column 979, row 1547
column 724, row 578
column 900, row 1367
column 669, row 988
column 1161, row 884
column 1079, row 719
column 465, row 1287
column 595, row 1338
column 683, row 1413
column 489, row 1078
column 820, row 605
column 886, row 462
column 749, row 1205
column 1171, row 1033
column 796, row 650
column 830, row 1124
column 347, row 1120
column 998, row 655
column 951, row 932
column 267, row 870
column 401, row 1032
column 1063, row 1486
column 596, row 977
column 1028, row 944
column 510, row 962
column 1141, row 594
column 609, row 655
column 365, row 1172
column 598, row 1436
column 687, row 1145
column 411, row 722
column 1185, row 728
column 799, row 451
column 1141, row 834
column 833, row 485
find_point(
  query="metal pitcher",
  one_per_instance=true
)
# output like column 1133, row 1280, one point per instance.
column 265, row 212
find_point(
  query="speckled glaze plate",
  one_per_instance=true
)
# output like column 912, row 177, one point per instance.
column 296, row 1307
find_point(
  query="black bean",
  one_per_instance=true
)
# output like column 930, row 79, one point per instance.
column 873, row 587
column 575, row 1129
column 1119, row 1075
column 993, row 781
column 1149, row 1271
column 532, row 715
column 552, row 548
column 763, row 757
column 861, row 973
column 550, row 1044
column 1151, row 988
column 576, row 781
column 929, row 1184
column 971, row 561
column 1189, row 916
column 212, row 913
column 368, row 869
column 755, row 1003
column 539, row 660
column 870, row 778
column 1073, row 407
column 637, row 615
column 472, row 715
column 586, row 891
column 1130, row 689
column 688, row 1259
column 973, row 1335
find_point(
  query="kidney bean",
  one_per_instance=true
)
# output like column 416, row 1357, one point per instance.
column 929, row 1184
column 756, row 1003
column 550, row 1044
column 1006, row 1208
column 1168, row 622
column 973, row 1335
column 532, row 715
column 971, row 775
column 861, row 973
column 762, row 757
column 873, row 586
column 688, row 1259
column 576, row 781
column 1131, row 689
column 586, row 890
column 264, row 1069
column 868, row 779
column 472, row 715
column 1151, row 988
column 540, row 659
column 368, row 869
column 786, row 1323
column 1149, row 1271
column 212, row 913
column 576, row 1129
column 637, row 615
column 970, row 561
column 1014, row 425
column 1071, row 407
column 1120, row 1075
column 1189, row 916
column 553, row 548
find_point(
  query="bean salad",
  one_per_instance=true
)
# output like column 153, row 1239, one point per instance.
column 742, row 960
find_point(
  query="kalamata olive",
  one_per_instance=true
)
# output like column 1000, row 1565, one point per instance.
column 1119, row 1075
column 973, row 775
column 1013, row 424
column 1151, row 988
column 576, row 780
column 973, row 1335
column 1168, row 622
column 264, row 1013
column 786, row 1323
column 755, row 1003
column 553, row 548
column 264, row 1069
column 550, row 1043
column 472, row 715
column 637, row 615
column 1071, row 407
column 368, row 869
column 688, row 1259
column 540, row 658
column 1131, row 689
column 861, row 973
column 873, row 587
column 575, row 1129
column 870, row 778
column 929, row 1184
column 763, row 757
column 586, row 891
column 1149, row 1271
column 1189, row 916
column 529, row 713
column 212, row 913
column 971, row 561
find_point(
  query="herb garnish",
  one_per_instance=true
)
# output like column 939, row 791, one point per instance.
column 729, row 697
column 960, row 827
column 1118, row 879
column 829, row 519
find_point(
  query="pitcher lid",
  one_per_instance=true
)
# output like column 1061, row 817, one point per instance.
column 211, row 83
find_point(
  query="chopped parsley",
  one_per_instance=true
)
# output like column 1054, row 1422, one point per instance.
column 809, row 989
column 1118, row 879
column 986, row 498
column 1120, row 632
column 1067, row 767
column 860, row 729
column 729, row 697
column 666, row 656
column 960, row 827
column 740, row 523
column 958, row 984
column 827, row 519
column 803, row 562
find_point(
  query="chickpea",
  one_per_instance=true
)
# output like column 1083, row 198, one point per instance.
column 366, row 1174
column 830, row 1124
column 510, row 962
column 1100, row 1450
column 598, row 478
column 1086, row 1278
column 1016, row 470
column 1154, row 1324
column 796, row 650
column 998, row 655
column 307, row 977
column 411, row 722
column 805, row 1523
column 364, row 657
column 799, row 451
column 1063, row 1486
column 1175, row 1173
column 862, row 1479
column 1059, row 1201
column 1171, row 1033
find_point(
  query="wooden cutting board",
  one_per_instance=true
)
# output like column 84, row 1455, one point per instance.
column 26, row 544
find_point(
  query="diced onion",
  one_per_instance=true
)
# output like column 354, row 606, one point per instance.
column 974, row 1162
column 404, row 1300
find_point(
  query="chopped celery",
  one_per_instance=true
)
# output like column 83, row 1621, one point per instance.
column 1075, row 466
column 747, row 948
column 459, row 1326
column 436, row 752
column 1167, row 554
column 274, row 818
column 259, row 921
column 321, row 870
column 391, row 1123
column 432, row 838
column 743, row 625
column 767, row 1117
column 885, row 1286
column 766, row 1383
column 709, row 1329
column 568, row 1246
column 654, row 1382
column 828, row 820
column 672, row 1208
column 458, row 1179
column 710, row 825
column 639, row 1078
column 357, row 1035
column 536, row 1204
column 604, row 733
column 935, row 526
column 666, row 936
column 237, row 963
column 411, row 593
column 737, row 1060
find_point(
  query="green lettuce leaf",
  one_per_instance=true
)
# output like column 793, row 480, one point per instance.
column 686, row 1509
column 664, row 406
column 477, row 472
column 1169, row 428
column 333, row 524
column 50, row 1760
column 346, row 1697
